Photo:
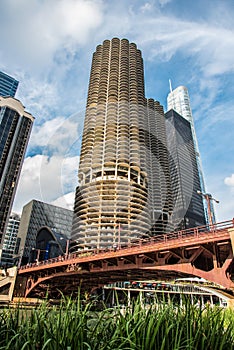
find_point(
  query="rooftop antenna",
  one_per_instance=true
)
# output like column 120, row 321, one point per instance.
column 170, row 85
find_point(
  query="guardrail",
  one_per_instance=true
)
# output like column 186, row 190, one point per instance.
column 182, row 234
column 191, row 232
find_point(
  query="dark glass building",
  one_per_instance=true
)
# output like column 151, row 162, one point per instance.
column 49, row 244
column 188, row 209
column 37, row 215
column 8, row 85
column 121, row 140
column 15, row 129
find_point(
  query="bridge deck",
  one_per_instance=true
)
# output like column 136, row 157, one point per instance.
column 186, row 238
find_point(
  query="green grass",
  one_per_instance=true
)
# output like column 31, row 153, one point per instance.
column 75, row 326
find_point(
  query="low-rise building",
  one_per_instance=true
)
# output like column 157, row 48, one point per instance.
column 37, row 214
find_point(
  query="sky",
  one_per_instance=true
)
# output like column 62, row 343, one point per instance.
column 47, row 45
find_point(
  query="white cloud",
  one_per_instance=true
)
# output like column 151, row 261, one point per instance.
column 229, row 181
column 225, row 208
column 29, row 183
column 56, row 135
column 212, row 116
column 66, row 201
column 45, row 27
column 51, row 36
column 69, row 173
column 40, row 41
column 211, row 46
column 48, row 44
column 53, row 174
column 44, row 134
column 46, row 179
column 59, row 136
column 146, row 7
column 38, row 95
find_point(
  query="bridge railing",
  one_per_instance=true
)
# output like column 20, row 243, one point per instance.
column 181, row 235
column 196, row 231
column 187, row 233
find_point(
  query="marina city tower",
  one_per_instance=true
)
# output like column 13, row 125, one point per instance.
column 124, row 186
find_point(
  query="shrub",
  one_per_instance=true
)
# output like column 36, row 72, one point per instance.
column 74, row 325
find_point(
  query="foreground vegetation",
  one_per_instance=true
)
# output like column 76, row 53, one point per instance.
column 75, row 326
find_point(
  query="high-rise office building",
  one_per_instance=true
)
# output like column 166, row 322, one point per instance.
column 8, row 85
column 15, row 128
column 121, row 145
column 10, row 243
column 157, row 155
column 178, row 99
column 37, row 215
column 188, row 209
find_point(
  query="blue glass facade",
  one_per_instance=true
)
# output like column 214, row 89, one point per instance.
column 15, row 128
column 188, row 209
column 8, row 85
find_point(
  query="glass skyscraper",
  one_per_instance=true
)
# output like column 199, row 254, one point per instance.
column 15, row 128
column 8, row 85
column 188, row 209
column 124, row 190
column 178, row 99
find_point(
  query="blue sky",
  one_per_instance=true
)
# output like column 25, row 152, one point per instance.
column 48, row 44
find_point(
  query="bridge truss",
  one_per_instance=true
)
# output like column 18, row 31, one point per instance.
column 205, row 252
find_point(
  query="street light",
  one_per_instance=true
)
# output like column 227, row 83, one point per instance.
column 208, row 198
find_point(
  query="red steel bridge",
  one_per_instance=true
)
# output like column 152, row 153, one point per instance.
column 205, row 252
